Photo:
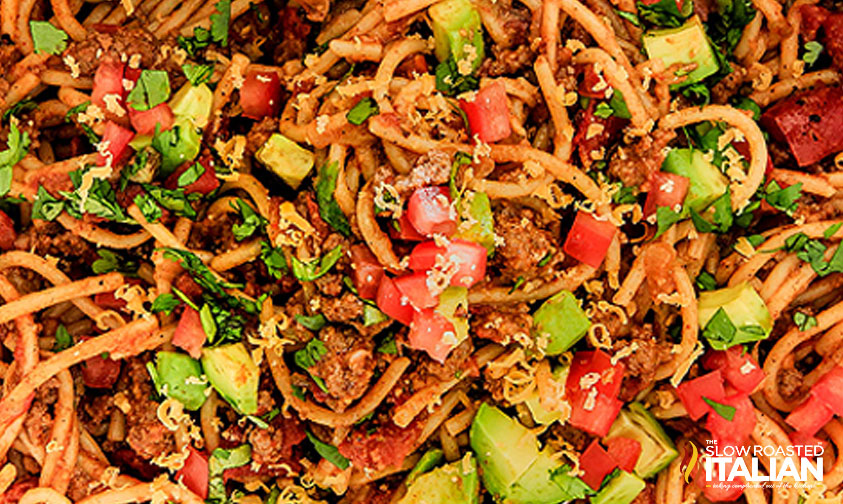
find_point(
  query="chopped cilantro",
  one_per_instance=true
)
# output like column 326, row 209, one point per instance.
column 110, row 261
column 191, row 175
column 832, row 230
column 329, row 209
column 804, row 321
column 603, row 110
column 165, row 303
column 328, row 452
column 273, row 258
column 173, row 199
column 220, row 21
column 783, row 199
column 197, row 74
column 813, row 49
column 364, row 109
column 724, row 410
column 148, row 207
column 451, row 82
column 17, row 145
column 252, row 221
column 665, row 217
column 63, row 339
column 665, row 13
column 312, row 322
column 45, row 206
column 19, row 108
column 706, row 282
column 311, row 270
column 151, row 90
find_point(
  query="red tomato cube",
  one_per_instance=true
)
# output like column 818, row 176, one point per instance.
column 691, row 393
column 405, row 231
column 810, row 416
column 606, row 378
column 469, row 258
column 367, row 272
column 625, row 451
column 205, row 184
column 589, row 239
column 415, row 288
column 829, row 389
column 738, row 368
column 393, row 303
column 596, row 463
column 666, row 190
column 100, row 372
column 430, row 212
column 433, row 333
column 108, row 80
column 117, row 146
column 594, row 414
column 145, row 121
column 194, row 473
column 189, row 335
column 260, row 95
column 488, row 113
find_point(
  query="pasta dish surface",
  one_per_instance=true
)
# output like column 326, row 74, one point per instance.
column 421, row 251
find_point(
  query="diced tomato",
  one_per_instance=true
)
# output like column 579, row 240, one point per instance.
column 592, row 140
column 145, row 121
column 593, row 384
column 7, row 232
column 469, row 257
column 737, row 367
column 599, row 362
column 810, row 416
column 596, row 463
column 666, row 190
column 594, row 415
column 393, row 303
column 367, row 272
column 589, row 239
column 813, row 17
column 432, row 333
column 809, row 122
column 829, row 389
column 100, row 371
column 742, row 423
column 405, row 230
column 414, row 287
column 194, row 473
column 799, row 438
column 205, row 184
column 189, row 335
column 716, row 490
column 625, row 451
column 118, row 139
column 385, row 447
column 691, row 393
column 260, row 95
column 108, row 301
column 488, row 113
column 108, row 80
column 591, row 80
column 430, row 212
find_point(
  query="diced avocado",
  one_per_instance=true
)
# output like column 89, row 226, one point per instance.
column 685, row 44
column 622, row 489
column 180, row 377
column 430, row 459
column 234, row 374
column 560, row 322
column 450, row 302
column 657, row 449
column 372, row 316
column 140, row 142
column 513, row 469
column 707, row 183
column 455, row 483
column 193, row 103
column 540, row 414
column 457, row 32
column 482, row 225
column 504, row 448
column 286, row 159
column 746, row 310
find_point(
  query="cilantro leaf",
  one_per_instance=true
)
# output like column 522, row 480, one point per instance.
column 724, row 410
column 45, row 206
column 219, row 461
column 832, row 230
column 110, row 261
column 203, row 276
column 618, row 104
column 328, row 452
column 273, row 258
column 603, row 110
column 17, row 145
column 148, row 207
column 364, row 109
column 101, row 200
column 317, row 268
column 151, row 90
column 220, row 21
column 804, row 321
column 329, row 209
column 725, row 26
column 165, row 303
column 191, row 175
column 176, row 145
column 63, row 339
column 46, row 38
column 706, row 282
column 20, row 107
column 783, row 199
column 252, row 221
column 813, row 49
column 201, row 39
column 197, row 74
column 665, row 13
column 388, row 346
column 629, row 16
column 460, row 159
column 308, row 356
column 173, row 199
column 451, row 82
column 720, row 331
column 220, row 325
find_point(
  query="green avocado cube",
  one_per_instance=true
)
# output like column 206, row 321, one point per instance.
column 454, row 483
column 685, row 44
column 286, row 158
column 707, row 183
column 560, row 322
column 622, row 489
column 749, row 316
column 234, row 375
column 180, row 377
column 457, row 32
column 657, row 449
